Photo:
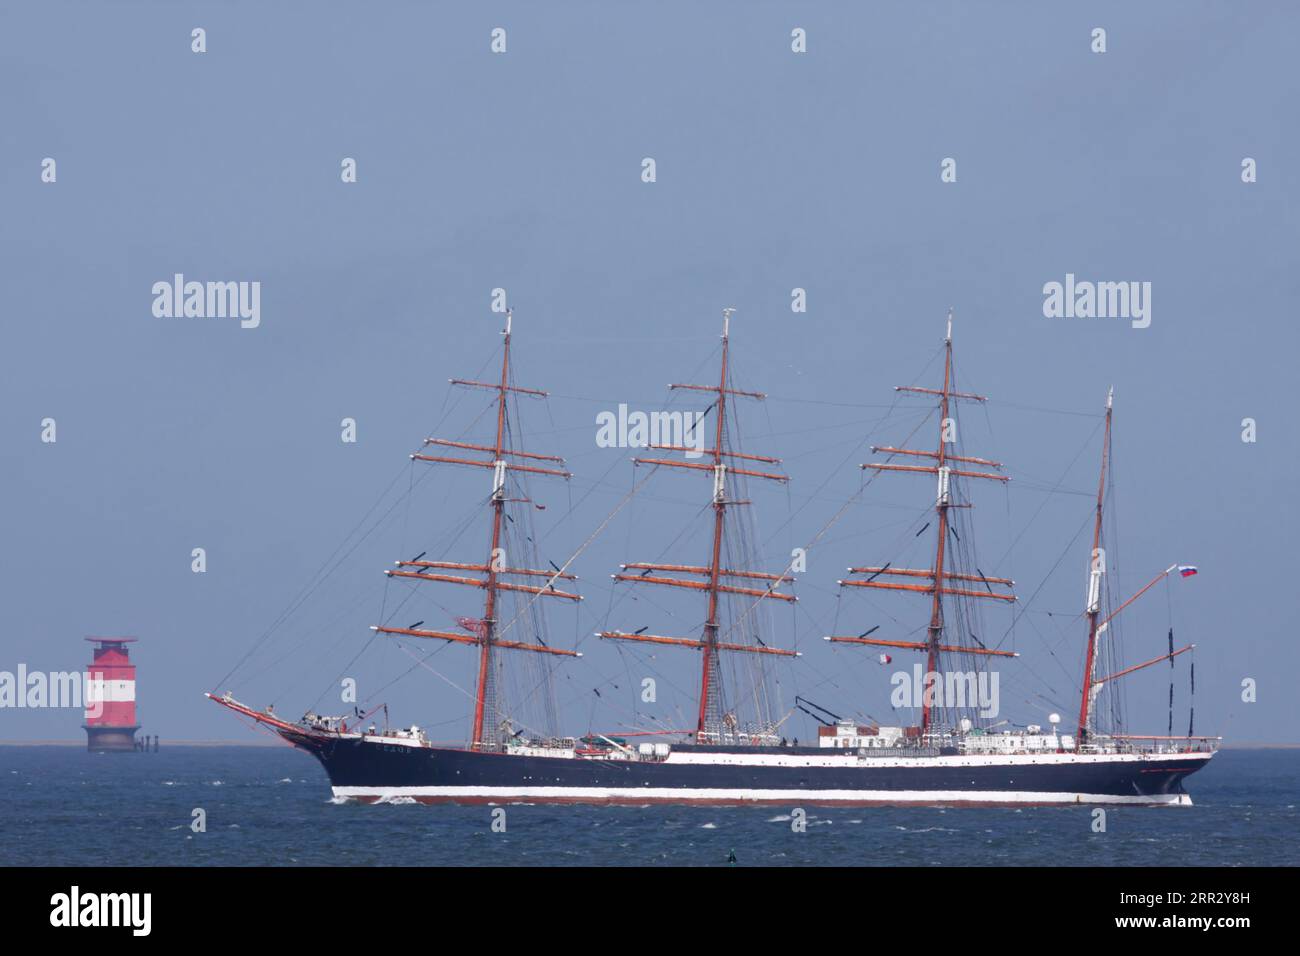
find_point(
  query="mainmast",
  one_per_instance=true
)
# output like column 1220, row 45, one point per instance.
column 1096, row 571
column 485, row 675
column 710, row 718
column 709, row 692
column 484, row 734
column 939, row 576
column 942, row 503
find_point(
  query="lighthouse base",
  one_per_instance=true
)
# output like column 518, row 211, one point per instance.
column 110, row 739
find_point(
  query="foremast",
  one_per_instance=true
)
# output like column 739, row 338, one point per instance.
column 485, row 632
column 940, row 578
column 710, row 719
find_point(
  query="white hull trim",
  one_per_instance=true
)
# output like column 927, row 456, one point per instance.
column 642, row 795
column 841, row 758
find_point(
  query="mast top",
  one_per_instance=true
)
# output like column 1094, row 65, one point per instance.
column 1110, row 398
column 509, row 315
column 726, row 321
column 949, row 338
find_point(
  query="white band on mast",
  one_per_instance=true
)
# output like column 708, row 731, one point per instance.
column 945, row 492
column 1094, row 580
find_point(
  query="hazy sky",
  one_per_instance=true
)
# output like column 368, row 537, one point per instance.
column 522, row 170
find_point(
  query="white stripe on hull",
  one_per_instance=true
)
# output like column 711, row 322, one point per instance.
column 681, row 795
column 842, row 758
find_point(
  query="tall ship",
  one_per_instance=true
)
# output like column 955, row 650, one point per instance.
column 960, row 753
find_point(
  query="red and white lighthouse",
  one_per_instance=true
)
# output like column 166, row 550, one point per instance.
column 110, row 696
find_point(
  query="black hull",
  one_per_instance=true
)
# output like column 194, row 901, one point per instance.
column 373, row 771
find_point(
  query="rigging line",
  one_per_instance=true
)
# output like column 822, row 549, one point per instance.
column 603, row 682
column 346, row 667
column 1039, row 408
column 583, row 500
column 608, row 488
column 423, row 662
column 627, row 670
column 1047, row 577
column 602, row 700
column 437, row 650
column 806, row 429
column 1034, row 517
column 906, row 539
column 624, row 400
column 624, row 594
column 412, row 590
column 311, row 587
column 812, row 401
column 313, row 634
column 906, row 523
column 583, row 547
column 863, row 486
column 815, row 451
column 311, row 631
column 1052, row 652
column 644, row 659
column 410, row 487
column 833, row 678
column 379, row 523
column 611, row 489
column 609, row 681
column 425, row 665
column 406, row 527
column 619, row 595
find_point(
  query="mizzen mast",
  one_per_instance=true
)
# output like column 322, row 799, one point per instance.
column 710, row 718
column 483, row 632
column 1096, row 570
column 938, row 576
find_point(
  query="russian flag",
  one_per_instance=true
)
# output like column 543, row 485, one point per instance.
column 1186, row 570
